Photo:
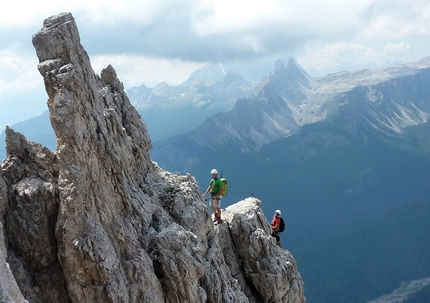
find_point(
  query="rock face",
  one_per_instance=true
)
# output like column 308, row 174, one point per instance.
column 98, row 221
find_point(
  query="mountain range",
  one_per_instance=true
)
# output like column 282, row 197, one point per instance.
column 173, row 110
column 289, row 98
column 346, row 157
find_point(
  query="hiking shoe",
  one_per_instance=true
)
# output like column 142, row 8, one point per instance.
column 215, row 218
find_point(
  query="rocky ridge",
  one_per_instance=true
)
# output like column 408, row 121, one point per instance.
column 98, row 221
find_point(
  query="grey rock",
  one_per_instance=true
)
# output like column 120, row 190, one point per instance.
column 9, row 290
column 272, row 270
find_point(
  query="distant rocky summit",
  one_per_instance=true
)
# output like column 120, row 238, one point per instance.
column 98, row 221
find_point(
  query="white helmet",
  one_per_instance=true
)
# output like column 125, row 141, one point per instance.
column 214, row 172
column 278, row 211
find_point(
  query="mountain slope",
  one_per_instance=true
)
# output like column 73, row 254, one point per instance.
column 172, row 110
column 37, row 129
column 270, row 113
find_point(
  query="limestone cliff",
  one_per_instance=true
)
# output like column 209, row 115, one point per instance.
column 98, row 221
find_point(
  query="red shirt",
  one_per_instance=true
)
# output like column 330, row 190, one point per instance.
column 276, row 222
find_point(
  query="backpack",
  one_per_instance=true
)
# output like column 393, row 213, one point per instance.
column 224, row 182
column 281, row 225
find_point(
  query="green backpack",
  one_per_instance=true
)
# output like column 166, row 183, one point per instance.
column 224, row 181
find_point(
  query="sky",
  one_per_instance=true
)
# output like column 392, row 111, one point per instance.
column 148, row 42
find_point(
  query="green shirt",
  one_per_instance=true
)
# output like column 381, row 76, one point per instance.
column 216, row 185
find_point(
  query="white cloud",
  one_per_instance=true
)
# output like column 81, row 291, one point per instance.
column 335, row 55
column 153, row 41
column 17, row 73
column 22, row 93
column 396, row 20
column 130, row 11
column 221, row 16
column 392, row 49
column 238, row 15
column 94, row 13
column 137, row 70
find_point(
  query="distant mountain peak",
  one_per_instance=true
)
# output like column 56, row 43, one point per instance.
column 231, row 78
column 211, row 72
column 291, row 72
column 270, row 113
column 292, row 65
column 279, row 65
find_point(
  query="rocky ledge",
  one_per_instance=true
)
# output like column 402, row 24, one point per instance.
column 98, row 221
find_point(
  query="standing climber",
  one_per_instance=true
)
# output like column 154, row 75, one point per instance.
column 276, row 227
column 216, row 188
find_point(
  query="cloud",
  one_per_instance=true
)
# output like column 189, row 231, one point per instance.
column 135, row 70
column 397, row 50
column 22, row 93
column 17, row 73
column 94, row 12
column 182, row 34
column 210, row 30
column 201, row 31
column 384, row 20
column 336, row 57
column 333, row 56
